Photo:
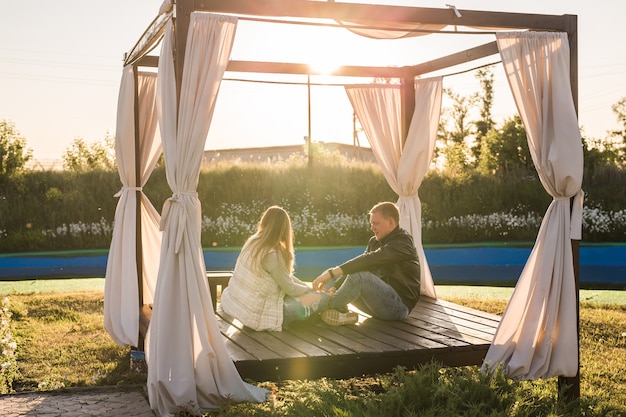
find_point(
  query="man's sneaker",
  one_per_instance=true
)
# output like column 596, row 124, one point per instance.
column 337, row 318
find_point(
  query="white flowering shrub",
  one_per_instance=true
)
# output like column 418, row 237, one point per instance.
column 312, row 228
column 234, row 223
column 598, row 222
column 8, row 357
column 513, row 225
column 101, row 228
column 237, row 223
column 82, row 234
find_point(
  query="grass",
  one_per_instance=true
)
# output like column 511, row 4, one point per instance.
column 62, row 343
column 443, row 291
column 35, row 286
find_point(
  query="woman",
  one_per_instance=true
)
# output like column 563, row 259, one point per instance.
column 263, row 293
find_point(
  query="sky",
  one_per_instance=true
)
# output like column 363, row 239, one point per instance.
column 61, row 65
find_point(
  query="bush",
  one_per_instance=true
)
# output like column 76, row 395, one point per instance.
column 328, row 202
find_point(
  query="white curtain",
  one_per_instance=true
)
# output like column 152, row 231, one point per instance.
column 537, row 336
column 121, row 291
column 400, row 30
column 379, row 111
column 188, row 364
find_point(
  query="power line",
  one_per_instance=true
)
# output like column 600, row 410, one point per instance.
column 37, row 63
column 29, row 77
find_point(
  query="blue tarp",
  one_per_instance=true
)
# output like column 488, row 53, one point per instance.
column 602, row 265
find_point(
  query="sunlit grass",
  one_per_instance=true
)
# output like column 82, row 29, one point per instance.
column 61, row 342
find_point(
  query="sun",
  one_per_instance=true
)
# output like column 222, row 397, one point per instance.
column 323, row 49
column 323, row 67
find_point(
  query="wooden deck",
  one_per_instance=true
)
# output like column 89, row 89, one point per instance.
column 448, row 333
column 435, row 330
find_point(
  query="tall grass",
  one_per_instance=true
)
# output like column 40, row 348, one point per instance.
column 328, row 201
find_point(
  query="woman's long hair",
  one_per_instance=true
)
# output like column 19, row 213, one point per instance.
column 274, row 232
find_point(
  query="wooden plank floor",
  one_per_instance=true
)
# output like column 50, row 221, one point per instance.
column 448, row 333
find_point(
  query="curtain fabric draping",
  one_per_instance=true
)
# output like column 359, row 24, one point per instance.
column 404, row 165
column 188, row 364
column 121, row 292
column 401, row 30
column 537, row 336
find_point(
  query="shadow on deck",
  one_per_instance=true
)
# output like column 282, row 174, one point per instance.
column 436, row 330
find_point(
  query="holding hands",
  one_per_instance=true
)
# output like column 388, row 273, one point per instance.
column 325, row 277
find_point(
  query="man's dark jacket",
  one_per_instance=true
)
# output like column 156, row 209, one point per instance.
column 394, row 260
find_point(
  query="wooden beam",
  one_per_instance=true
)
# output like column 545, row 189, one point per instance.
column 148, row 61
column 384, row 15
column 263, row 67
column 458, row 58
column 303, row 69
column 381, row 14
column 148, row 39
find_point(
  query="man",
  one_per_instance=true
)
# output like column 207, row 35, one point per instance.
column 383, row 282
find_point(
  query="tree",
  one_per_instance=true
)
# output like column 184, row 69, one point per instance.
column 600, row 153
column 13, row 152
column 454, row 130
column 506, row 150
column 619, row 109
column 484, row 99
column 81, row 157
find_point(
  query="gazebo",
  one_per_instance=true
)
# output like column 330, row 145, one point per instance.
column 157, row 259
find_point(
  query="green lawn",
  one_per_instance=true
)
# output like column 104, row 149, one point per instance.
column 58, row 330
column 444, row 291
column 51, row 285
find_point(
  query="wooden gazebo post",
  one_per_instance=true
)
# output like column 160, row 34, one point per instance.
column 138, row 236
column 182, row 17
column 570, row 386
column 408, row 103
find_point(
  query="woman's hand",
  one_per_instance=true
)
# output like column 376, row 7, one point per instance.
column 320, row 281
column 325, row 277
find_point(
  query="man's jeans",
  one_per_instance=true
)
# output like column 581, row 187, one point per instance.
column 371, row 295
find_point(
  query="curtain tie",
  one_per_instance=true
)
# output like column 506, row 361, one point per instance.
column 119, row 193
column 178, row 198
column 178, row 195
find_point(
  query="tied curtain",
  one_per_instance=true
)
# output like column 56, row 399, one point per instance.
column 404, row 165
column 188, row 364
column 121, row 288
column 537, row 336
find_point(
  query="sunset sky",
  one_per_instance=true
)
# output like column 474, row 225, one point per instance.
column 61, row 64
